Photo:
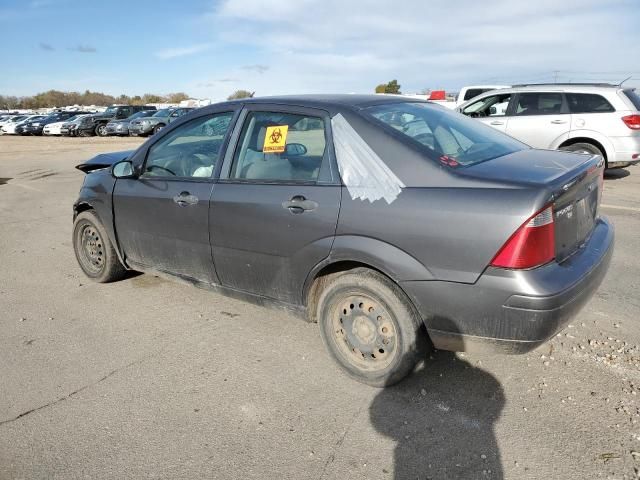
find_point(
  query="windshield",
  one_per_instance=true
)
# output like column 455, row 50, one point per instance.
column 111, row 111
column 163, row 113
column 446, row 136
column 144, row 113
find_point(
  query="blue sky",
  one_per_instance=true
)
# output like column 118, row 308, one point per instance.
column 211, row 48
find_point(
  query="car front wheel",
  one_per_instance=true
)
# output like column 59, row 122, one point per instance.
column 370, row 327
column 95, row 254
column 101, row 130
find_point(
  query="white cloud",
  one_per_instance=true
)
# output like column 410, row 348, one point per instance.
column 335, row 45
column 182, row 51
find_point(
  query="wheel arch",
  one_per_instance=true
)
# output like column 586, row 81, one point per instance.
column 351, row 252
column 601, row 143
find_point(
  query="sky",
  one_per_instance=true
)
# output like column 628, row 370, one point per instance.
column 211, row 48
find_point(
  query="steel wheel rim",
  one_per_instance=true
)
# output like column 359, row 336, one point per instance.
column 102, row 130
column 364, row 332
column 91, row 249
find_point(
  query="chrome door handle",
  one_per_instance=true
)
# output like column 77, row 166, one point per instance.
column 558, row 122
column 299, row 204
column 185, row 199
column 497, row 122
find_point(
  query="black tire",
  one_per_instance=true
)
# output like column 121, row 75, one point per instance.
column 94, row 252
column 101, row 130
column 585, row 148
column 157, row 128
column 370, row 327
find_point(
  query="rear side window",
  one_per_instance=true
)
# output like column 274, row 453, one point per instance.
column 539, row 103
column 634, row 97
column 279, row 147
column 588, row 103
column 446, row 136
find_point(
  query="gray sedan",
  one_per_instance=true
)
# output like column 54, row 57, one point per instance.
column 153, row 124
column 397, row 225
column 121, row 127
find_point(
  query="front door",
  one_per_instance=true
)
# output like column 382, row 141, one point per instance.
column 275, row 209
column 491, row 110
column 539, row 119
column 161, row 218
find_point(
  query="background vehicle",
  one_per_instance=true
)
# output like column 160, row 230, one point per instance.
column 156, row 122
column 121, row 127
column 12, row 119
column 600, row 119
column 56, row 127
column 97, row 124
column 435, row 225
column 15, row 128
column 36, row 127
column 70, row 127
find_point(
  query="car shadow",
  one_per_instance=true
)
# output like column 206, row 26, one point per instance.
column 442, row 420
column 616, row 174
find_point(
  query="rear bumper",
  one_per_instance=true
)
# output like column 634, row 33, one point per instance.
column 625, row 148
column 513, row 311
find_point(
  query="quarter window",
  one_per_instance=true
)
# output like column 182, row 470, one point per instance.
column 588, row 103
column 280, row 147
column 191, row 150
column 543, row 103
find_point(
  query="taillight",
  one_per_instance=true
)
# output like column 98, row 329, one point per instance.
column 532, row 245
column 632, row 121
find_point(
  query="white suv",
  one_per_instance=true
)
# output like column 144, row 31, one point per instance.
column 590, row 118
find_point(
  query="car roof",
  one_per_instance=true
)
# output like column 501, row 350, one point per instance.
column 345, row 100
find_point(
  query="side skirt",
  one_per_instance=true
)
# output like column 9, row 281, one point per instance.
column 297, row 310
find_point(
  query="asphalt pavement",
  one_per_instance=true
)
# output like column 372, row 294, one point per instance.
column 148, row 378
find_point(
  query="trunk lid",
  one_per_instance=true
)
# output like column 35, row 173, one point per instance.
column 573, row 184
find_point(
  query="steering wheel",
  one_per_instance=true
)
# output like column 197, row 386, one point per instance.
column 151, row 167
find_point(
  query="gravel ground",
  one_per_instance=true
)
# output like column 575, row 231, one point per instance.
column 147, row 378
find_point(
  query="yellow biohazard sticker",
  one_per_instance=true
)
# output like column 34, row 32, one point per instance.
column 275, row 139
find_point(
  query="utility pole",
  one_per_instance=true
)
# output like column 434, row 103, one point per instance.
column 555, row 76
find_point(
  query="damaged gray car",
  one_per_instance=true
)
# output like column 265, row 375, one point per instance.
column 397, row 225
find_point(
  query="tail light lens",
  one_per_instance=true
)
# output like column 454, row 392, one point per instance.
column 632, row 121
column 532, row 245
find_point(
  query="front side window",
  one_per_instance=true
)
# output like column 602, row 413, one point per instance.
column 542, row 103
column 588, row 103
column 446, row 136
column 280, row 147
column 191, row 150
column 492, row 106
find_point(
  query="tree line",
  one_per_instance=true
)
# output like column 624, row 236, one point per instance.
column 56, row 98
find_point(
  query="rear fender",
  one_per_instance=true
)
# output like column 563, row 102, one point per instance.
column 396, row 264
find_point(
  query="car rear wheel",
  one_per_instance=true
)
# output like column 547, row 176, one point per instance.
column 101, row 130
column 370, row 327
column 587, row 148
column 95, row 254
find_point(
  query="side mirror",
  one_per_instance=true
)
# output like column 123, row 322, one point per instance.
column 123, row 169
column 294, row 150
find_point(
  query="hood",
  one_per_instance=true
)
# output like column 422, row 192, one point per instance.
column 151, row 119
column 103, row 160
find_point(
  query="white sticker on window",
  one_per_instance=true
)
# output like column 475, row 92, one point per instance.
column 363, row 172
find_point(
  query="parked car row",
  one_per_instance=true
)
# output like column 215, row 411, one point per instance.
column 121, row 120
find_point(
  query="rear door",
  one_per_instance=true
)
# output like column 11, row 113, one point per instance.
column 539, row 119
column 275, row 208
column 161, row 218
